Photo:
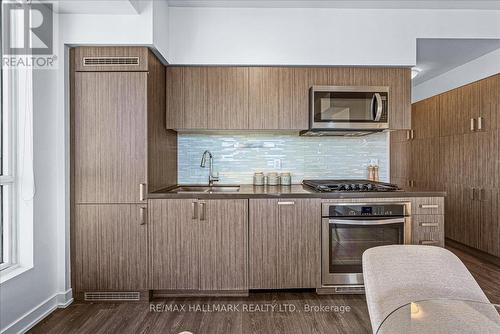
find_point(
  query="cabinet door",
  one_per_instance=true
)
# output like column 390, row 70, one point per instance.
column 174, row 244
column 450, row 156
column 470, row 211
column 489, row 222
column 424, row 161
column 400, row 98
column 425, row 118
column 453, row 211
column 489, row 102
column 109, row 136
column 175, row 97
column 299, row 240
column 400, row 158
column 227, row 97
column 290, row 117
column 195, row 90
column 264, row 89
column 450, row 119
column 263, row 244
column 467, row 106
column 223, row 233
column 110, row 251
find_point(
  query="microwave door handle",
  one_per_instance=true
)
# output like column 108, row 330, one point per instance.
column 378, row 112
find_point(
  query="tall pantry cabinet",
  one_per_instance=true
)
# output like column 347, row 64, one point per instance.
column 454, row 145
column 119, row 149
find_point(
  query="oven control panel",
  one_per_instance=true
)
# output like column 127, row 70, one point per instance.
column 370, row 210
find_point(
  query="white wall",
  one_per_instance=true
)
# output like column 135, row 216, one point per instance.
column 477, row 69
column 38, row 289
column 316, row 36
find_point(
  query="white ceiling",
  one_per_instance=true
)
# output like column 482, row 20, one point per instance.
column 437, row 56
column 410, row 4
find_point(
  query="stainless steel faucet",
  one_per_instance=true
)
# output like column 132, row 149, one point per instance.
column 211, row 177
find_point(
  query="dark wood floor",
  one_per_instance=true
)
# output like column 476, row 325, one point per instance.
column 291, row 318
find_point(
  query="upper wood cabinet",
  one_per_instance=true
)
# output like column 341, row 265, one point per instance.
column 284, row 242
column 227, row 97
column 269, row 98
column 425, row 118
column 264, row 98
column 195, row 102
column 198, row 245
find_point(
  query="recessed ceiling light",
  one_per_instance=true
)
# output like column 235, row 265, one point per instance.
column 414, row 72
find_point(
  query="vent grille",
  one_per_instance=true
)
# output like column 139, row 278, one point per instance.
column 349, row 290
column 112, row 296
column 110, row 61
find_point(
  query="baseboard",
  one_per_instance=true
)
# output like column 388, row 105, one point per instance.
column 473, row 251
column 198, row 293
column 39, row 312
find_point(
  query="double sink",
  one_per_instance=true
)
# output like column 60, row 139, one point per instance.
column 205, row 189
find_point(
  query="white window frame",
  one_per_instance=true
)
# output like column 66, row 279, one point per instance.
column 9, row 133
column 18, row 243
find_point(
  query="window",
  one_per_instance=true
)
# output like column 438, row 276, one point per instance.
column 16, row 161
column 7, row 184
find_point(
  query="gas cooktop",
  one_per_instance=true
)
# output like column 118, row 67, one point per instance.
column 349, row 185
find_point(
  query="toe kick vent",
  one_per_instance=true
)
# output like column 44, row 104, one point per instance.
column 349, row 290
column 110, row 61
column 112, row 296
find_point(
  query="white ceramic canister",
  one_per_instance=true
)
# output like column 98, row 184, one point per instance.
column 286, row 179
column 273, row 179
column 258, row 179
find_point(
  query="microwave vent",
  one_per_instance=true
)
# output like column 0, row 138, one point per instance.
column 110, row 61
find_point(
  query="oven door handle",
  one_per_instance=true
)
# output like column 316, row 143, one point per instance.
column 377, row 113
column 366, row 222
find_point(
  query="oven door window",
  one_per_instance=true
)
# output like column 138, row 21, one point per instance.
column 345, row 107
column 348, row 242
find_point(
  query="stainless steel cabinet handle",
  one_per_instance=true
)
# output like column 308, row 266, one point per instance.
column 408, row 135
column 428, row 242
column 203, row 211
column 429, row 224
column 472, row 124
column 479, row 123
column 412, row 134
column 481, row 194
column 142, row 191
column 472, row 193
column 286, row 203
column 142, row 214
column 194, row 210
column 428, row 206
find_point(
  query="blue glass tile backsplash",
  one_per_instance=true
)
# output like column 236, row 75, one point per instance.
column 238, row 156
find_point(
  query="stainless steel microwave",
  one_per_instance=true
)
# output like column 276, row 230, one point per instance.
column 362, row 109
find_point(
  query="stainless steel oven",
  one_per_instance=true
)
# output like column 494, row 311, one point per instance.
column 350, row 229
column 349, row 108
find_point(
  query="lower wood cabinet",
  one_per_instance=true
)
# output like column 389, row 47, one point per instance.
column 198, row 244
column 110, row 247
column 428, row 230
column 284, row 243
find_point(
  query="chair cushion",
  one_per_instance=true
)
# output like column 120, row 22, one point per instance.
column 400, row 274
